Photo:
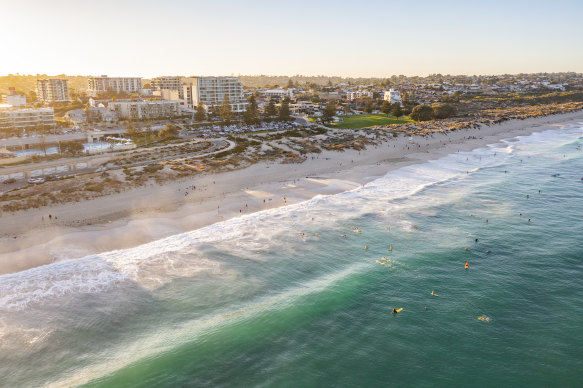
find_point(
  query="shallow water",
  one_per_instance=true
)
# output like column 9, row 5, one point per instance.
column 278, row 299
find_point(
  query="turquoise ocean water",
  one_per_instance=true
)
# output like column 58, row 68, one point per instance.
column 290, row 297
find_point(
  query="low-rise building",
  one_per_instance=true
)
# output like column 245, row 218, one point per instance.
column 14, row 119
column 393, row 96
column 353, row 95
column 278, row 93
column 98, row 114
column 141, row 110
column 14, row 99
column 76, row 117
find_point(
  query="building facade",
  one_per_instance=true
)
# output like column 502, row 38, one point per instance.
column 393, row 96
column 52, row 90
column 104, row 84
column 278, row 93
column 168, row 83
column 14, row 99
column 15, row 119
column 351, row 96
column 135, row 110
column 211, row 91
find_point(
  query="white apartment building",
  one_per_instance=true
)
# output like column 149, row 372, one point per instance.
column 140, row 110
column 167, row 83
column 211, row 91
column 12, row 119
column 351, row 96
column 278, row 93
column 52, row 90
column 393, row 96
column 14, row 99
column 103, row 84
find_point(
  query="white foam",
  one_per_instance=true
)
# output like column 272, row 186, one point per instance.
column 154, row 264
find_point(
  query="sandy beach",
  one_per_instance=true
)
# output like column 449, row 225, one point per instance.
column 30, row 238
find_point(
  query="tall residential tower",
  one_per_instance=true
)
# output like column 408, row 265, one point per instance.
column 211, row 91
column 52, row 90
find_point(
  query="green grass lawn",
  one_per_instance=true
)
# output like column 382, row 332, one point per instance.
column 363, row 121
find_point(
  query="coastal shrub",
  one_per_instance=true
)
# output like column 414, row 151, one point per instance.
column 442, row 111
column 95, row 186
column 152, row 168
column 422, row 113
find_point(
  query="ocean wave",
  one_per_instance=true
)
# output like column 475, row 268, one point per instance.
column 158, row 262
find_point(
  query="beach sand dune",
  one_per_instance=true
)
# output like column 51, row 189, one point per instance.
column 30, row 238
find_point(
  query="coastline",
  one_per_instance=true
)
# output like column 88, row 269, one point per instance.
column 29, row 239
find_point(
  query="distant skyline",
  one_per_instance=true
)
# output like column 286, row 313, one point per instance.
column 335, row 38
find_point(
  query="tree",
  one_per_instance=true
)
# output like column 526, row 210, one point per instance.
column 225, row 111
column 130, row 128
column 442, row 111
column 169, row 132
column 42, row 144
column 386, row 107
column 270, row 111
column 368, row 106
column 72, row 148
column 329, row 112
column 409, row 98
column 284, row 110
column 200, row 114
column 422, row 113
column 396, row 110
column 88, row 115
column 290, row 83
column 347, row 109
column 315, row 99
column 251, row 115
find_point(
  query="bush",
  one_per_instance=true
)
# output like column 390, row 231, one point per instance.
column 152, row 168
column 72, row 147
column 442, row 111
column 422, row 113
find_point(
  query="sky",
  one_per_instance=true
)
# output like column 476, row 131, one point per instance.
column 374, row 38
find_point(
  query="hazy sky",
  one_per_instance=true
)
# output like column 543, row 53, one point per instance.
column 349, row 38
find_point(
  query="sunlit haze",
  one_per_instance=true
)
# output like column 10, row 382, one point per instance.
column 374, row 38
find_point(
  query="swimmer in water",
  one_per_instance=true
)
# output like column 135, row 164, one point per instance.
column 467, row 265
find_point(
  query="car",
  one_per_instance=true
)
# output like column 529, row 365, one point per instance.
column 36, row 180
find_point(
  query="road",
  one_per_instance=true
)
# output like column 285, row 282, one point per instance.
column 88, row 164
